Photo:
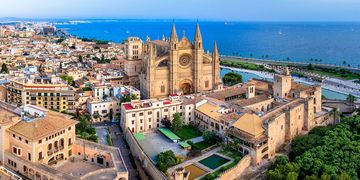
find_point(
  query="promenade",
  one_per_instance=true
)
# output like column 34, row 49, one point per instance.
column 277, row 62
column 333, row 84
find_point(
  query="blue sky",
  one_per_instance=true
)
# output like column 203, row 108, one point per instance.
column 241, row 10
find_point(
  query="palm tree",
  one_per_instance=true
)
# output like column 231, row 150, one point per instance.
column 336, row 115
column 351, row 99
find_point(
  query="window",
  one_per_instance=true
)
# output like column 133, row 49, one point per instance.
column 29, row 156
column 162, row 89
column 206, row 83
column 40, row 141
column 149, row 126
column 165, row 110
column 17, row 151
column 141, row 114
column 132, row 122
column 150, row 112
column 133, row 115
column 149, row 119
column 141, row 121
column 70, row 141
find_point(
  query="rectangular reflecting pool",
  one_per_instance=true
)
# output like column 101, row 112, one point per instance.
column 214, row 161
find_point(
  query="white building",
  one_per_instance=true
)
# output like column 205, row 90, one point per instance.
column 107, row 109
column 145, row 115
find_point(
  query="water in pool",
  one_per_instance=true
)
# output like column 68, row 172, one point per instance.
column 214, row 161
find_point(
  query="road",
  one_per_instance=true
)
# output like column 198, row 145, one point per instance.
column 277, row 62
column 101, row 132
column 118, row 141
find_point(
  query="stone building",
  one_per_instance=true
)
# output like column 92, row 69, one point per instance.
column 133, row 60
column 262, row 116
column 178, row 66
column 41, row 144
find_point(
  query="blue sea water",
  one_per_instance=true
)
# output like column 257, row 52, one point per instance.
column 332, row 42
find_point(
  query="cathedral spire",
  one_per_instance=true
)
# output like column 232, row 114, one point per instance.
column 215, row 52
column 173, row 36
column 197, row 37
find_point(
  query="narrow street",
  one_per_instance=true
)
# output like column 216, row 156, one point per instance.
column 118, row 141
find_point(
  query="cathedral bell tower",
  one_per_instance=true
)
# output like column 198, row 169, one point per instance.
column 174, row 54
column 198, row 54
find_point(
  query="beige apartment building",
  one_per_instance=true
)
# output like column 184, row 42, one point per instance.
column 50, row 93
column 146, row 115
column 41, row 144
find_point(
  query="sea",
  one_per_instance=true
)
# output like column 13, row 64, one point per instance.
column 336, row 43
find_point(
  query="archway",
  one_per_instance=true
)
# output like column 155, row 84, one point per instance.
column 186, row 87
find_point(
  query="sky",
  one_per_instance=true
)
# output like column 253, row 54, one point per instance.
column 236, row 10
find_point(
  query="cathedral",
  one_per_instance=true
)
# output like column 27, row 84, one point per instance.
column 176, row 66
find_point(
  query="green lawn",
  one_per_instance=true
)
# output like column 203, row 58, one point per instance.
column 244, row 65
column 346, row 76
column 202, row 145
column 188, row 132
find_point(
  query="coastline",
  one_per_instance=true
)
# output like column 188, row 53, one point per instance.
column 268, row 75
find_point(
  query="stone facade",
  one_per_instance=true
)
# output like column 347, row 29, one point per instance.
column 39, row 144
column 178, row 66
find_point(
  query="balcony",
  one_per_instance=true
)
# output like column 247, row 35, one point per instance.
column 54, row 150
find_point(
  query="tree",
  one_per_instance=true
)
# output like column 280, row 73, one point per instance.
column 177, row 122
column 125, row 98
column 4, row 68
column 80, row 59
column 166, row 122
column 351, row 99
column 83, row 123
column 165, row 160
column 210, row 137
column 232, row 78
column 68, row 79
column 133, row 97
column 335, row 114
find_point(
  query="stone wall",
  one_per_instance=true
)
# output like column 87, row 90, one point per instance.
column 237, row 170
column 140, row 155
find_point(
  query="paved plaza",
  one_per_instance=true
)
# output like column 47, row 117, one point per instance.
column 80, row 168
column 155, row 143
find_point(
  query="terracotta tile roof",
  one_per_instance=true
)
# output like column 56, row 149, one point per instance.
column 228, row 92
column 254, row 100
column 250, row 123
column 210, row 110
column 42, row 127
